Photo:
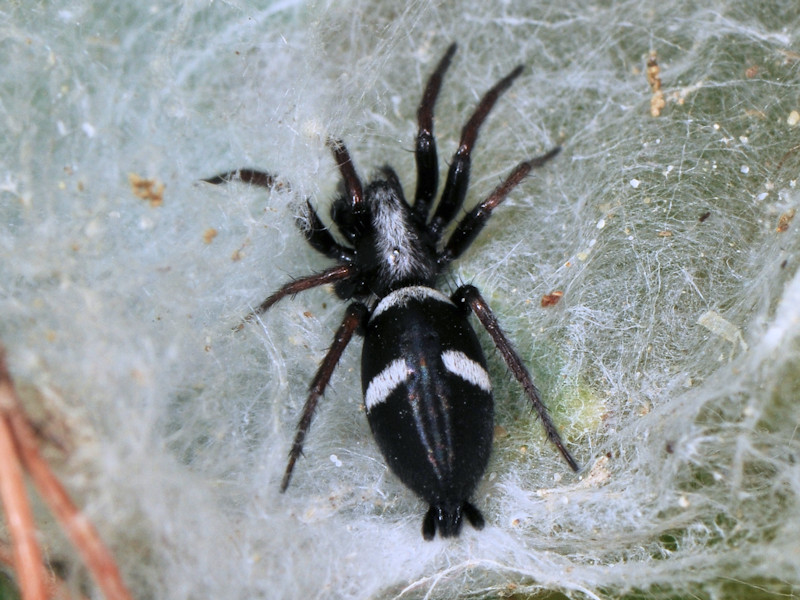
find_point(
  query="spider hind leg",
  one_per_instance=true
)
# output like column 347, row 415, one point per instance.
column 470, row 296
column 353, row 321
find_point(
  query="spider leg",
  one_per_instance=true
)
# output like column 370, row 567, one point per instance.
column 331, row 275
column 425, row 152
column 354, row 319
column 472, row 224
column 312, row 228
column 251, row 176
column 319, row 237
column 352, row 183
column 473, row 298
column 349, row 211
column 455, row 188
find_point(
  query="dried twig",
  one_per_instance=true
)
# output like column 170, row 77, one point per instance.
column 26, row 552
column 19, row 448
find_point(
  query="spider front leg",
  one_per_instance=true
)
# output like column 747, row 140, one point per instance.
column 354, row 319
column 470, row 295
column 313, row 229
column 349, row 212
column 309, row 223
column 472, row 224
column 455, row 188
column 319, row 237
column 251, row 176
column 352, row 183
column 425, row 152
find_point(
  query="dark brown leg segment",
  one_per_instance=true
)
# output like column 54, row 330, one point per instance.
column 354, row 318
column 475, row 301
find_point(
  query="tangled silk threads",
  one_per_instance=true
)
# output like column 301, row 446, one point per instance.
column 670, row 358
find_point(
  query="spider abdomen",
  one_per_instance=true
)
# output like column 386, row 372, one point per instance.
column 428, row 399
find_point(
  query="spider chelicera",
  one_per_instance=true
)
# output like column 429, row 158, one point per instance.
column 427, row 393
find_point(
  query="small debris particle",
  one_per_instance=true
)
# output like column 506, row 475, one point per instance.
column 793, row 118
column 751, row 71
column 238, row 254
column 758, row 114
column 209, row 235
column 634, row 183
column 704, row 216
column 657, row 101
column 791, row 151
column 719, row 325
column 599, row 473
column 552, row 298
column 784, row 220
column 151, row 190
column 665, row 233
column 789, row 56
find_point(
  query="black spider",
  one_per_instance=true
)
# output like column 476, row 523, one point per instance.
column 426, row 389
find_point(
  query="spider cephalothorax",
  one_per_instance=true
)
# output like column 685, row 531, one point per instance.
column 391, row 247
column 426, row 389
